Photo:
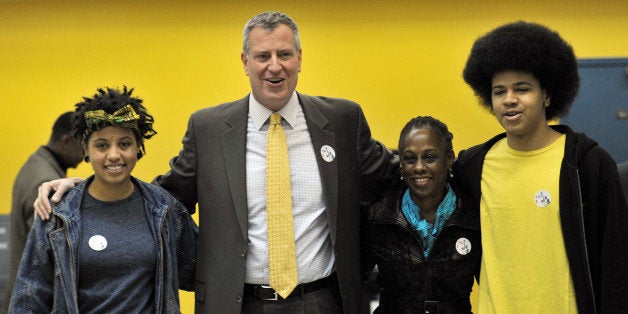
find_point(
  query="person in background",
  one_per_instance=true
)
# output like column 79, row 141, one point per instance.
column 114, row 244
column 48, row 162
column 553, row 216
column 426, row 247
column 331, row 164
column 623, row 177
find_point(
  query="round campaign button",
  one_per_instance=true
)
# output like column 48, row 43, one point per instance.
column 328, row 153
column 463, row 246
column 97, row 243
column 542, row 198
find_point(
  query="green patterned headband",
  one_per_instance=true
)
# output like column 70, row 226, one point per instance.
column 125, row 117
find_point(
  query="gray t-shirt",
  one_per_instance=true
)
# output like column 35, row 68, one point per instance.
column 117, row 257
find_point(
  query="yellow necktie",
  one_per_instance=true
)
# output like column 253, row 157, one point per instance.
column 281, row 252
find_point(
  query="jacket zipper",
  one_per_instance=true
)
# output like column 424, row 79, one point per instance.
column 584, row 242
column 72, row 262
column 160, row 281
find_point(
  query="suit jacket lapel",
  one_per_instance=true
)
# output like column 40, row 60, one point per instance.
column 234, row 153
column 316, row 123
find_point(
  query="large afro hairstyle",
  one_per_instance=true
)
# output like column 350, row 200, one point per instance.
column 525, row 47
column 110, row 100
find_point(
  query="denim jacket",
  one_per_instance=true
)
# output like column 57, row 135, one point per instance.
column 47, row 278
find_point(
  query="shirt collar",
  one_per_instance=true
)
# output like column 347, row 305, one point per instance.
column 261, row 114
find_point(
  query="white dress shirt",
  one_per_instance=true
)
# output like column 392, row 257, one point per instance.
column 315, row 257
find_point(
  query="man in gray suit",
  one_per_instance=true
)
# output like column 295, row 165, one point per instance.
column 49, row 162
column 334, row 166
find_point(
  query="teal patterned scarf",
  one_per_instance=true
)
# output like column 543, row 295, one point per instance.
column 428, row 232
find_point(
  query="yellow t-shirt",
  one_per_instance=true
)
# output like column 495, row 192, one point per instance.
column 524, row 263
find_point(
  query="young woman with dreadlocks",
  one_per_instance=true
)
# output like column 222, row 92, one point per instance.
column 114, row 244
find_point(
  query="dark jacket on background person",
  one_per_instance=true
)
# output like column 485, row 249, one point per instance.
column 42, row 166
column 409, row 282
column 593, row 214
column 623, row 177
column 47, row 278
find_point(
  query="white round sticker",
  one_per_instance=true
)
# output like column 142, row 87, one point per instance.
column 328, row 153
column 97, row 243
column 542, row 198
column 463, row 246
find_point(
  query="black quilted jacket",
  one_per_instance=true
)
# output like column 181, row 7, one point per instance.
column 408, row 282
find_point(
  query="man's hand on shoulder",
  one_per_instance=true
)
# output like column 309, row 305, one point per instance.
column 42, row 206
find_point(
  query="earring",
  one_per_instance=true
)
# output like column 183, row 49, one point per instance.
column 86, row 158
column 451, row 173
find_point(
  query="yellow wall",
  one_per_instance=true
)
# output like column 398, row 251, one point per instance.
column 398, row 59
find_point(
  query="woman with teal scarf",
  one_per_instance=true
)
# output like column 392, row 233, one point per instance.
column 426, row 247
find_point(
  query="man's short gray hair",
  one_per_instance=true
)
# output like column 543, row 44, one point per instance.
column 269, row 21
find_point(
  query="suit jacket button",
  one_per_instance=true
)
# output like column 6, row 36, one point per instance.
column 238, row 298
column 243, row 253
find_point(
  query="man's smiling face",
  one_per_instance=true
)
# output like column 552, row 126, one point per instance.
column 272, row 64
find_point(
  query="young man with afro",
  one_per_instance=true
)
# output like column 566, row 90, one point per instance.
column 552, row 212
